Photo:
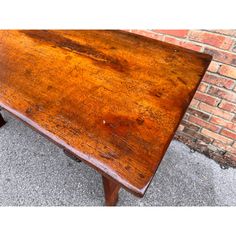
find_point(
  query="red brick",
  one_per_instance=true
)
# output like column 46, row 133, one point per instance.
column 195, row 135
column 212, row 39
column 230, row 156
column 221, row 56
column 224, row 123
column 202, row 87
column 182, row 43
column 228, row 71
column 225, row 32
column 224, row 146
column 204, row 124
column 189, row 125
column 198, row 113
column 172, row 40
column 206, row 98
column 228, row 134
column 228, row 106
column 180, row 128
column 234, row 145
column 220, row 145
column 224, row 94
column 214, row 66
column 147, row 33
column 219, row 81
column 215, row 111
column 191, row 46
column 177, row 33
column 232, row 151
column 216, row 136
column 194, row 103
column 234, row 119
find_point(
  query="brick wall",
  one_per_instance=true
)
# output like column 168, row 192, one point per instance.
column 209, row 126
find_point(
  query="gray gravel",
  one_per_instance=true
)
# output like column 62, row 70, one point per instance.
column 35, row 172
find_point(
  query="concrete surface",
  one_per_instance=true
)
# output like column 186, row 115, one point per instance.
column 35, row 172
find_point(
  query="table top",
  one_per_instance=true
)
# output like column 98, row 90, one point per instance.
column 112, row 98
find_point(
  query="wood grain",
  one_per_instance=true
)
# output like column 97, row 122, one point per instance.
column 112, row 98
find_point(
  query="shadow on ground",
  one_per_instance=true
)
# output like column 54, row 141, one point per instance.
column 35, row 172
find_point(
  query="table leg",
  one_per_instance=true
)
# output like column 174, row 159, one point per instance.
column 111, row 190
column 2, row 121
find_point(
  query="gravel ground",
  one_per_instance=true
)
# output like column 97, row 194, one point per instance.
column 35, row 172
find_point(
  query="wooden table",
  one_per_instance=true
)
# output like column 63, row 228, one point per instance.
column 110, row 98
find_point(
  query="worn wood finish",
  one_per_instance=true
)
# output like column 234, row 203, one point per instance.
column 112, row 98
column 111, row 191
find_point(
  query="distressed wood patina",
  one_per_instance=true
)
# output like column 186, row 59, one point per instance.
column 110, row 98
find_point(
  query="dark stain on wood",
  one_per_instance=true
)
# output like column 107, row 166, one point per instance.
column 140, row 120
column 58, row 40
column 109, row 155
column 182, row 80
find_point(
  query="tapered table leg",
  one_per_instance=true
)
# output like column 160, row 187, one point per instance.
column 2, row 121
column 111, row 190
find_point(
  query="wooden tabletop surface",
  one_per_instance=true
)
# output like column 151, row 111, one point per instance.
column 113, row 98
